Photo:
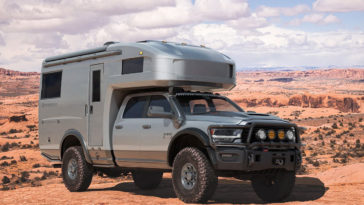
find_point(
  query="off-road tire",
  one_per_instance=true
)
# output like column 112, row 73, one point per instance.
column 84, row 170
column 273, row 192
column 147, row 179
column 206, row 179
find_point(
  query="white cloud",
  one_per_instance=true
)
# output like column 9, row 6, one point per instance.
column 31, row 30
column 338, row 5
column 266, row 11
column 221, row 9
column 2, row 41
column 250, row 22
column 319, row 18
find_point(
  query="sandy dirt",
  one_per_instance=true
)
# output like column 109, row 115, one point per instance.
column 310, row 189
column 329, row 103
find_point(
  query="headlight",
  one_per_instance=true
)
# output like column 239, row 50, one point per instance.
column 290, row 135
column 261, row 134
column 226, row 135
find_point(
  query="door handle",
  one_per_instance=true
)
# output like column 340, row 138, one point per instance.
column 91, row 109
column 146, row 126
column 118, row 127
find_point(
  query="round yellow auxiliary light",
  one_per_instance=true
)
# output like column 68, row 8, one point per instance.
column 271, row 134
column 281, row 134
column 140, row 52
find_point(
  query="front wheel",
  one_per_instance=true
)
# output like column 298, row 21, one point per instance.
column 194, row 179
column 275, row 186
column 76, row 172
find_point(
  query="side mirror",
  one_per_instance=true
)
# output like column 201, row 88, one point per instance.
column 158, row 111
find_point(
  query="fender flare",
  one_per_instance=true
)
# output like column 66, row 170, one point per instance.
column 77, row 134
column 199, row 134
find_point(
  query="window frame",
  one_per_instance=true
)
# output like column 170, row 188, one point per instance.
column 144, row 108
column 150, row 100
column 43, row 91
column 123, row 66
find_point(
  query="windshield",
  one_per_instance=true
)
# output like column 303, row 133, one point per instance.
column 206, row 104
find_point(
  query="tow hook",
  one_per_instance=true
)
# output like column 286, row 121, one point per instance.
column 251, row 159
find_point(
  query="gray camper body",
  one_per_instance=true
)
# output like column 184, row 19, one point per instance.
column 149, row 108
column 75, row 112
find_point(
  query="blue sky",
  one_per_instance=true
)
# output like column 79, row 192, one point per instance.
column 255, row 33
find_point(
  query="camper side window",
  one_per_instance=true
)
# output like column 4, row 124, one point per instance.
column 133, row 65
column 135, row 107
column 51, row 85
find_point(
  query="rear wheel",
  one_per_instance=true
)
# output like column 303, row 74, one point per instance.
column 275, row 186
column 147, row 179
column 76, row 172
column 194, row 179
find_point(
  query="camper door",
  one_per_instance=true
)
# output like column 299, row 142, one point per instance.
column 95, row 125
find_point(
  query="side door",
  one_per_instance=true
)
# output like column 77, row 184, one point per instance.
column 156, row 135
column 127, row 131
column 95, row 106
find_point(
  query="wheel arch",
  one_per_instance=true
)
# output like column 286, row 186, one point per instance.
column 186, row 138
column 74, row 138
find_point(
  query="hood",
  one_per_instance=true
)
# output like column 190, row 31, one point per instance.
column 233, row 117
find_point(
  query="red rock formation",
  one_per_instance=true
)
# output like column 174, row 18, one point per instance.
column 7, row 72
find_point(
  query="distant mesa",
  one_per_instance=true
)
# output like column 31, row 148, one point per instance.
column 283, row 80
column 7, row 72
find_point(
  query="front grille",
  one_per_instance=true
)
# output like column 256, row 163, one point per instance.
column 275, row 129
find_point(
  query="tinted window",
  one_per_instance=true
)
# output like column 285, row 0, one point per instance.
column 134, row 65
column 159, row 100
column 135, row 107
column 51, row 85
column 96, row 86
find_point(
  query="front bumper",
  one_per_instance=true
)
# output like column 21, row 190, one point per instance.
column 243, row 159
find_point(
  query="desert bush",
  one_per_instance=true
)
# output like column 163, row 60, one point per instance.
column 351, row 135
column 3, row 133
column 320, row 137
column 5, row 147
column 24, row 176
column 13, row 162
column 12, row 131
column 36, row 165
column 316, row 163
column 334, row 126
column 6, row 180
column 322, row 143
column 31, row 127
column 4, row 164
column 23, row 158
column 5, row 157
column 315, row 139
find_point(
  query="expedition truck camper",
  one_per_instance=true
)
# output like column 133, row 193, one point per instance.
column 148, row 108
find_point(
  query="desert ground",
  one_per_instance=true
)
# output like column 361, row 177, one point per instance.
column 329, row 103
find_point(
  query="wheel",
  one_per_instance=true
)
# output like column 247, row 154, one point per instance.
column 194, row 180
column 274, row 187
column 76, row 172
column 147, row 179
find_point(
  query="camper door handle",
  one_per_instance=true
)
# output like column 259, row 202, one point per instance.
column 118, row 127
column 86, row 110
column 146, row 126
column 91, row 109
